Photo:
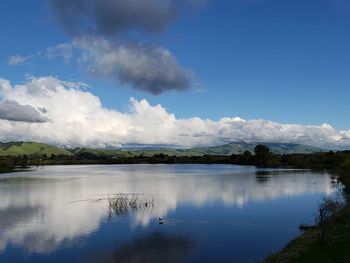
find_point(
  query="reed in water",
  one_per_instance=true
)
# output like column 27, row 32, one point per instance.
column 122, row 204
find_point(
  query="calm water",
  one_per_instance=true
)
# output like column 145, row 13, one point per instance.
column 210, row 213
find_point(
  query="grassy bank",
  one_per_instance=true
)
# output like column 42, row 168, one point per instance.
column 308, row 248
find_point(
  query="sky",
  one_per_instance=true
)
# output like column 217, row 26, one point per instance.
column 175, row 72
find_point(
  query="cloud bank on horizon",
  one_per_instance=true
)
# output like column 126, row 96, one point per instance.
column 66, row 113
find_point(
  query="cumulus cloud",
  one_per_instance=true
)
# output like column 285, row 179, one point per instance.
column 17, row 60
column 144, row 66
column 13, row 111
column 103, row 30
column 77, row 118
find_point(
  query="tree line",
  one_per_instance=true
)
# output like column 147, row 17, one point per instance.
column 261, row 157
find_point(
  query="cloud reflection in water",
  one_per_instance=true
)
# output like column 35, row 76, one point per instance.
column 40, row 215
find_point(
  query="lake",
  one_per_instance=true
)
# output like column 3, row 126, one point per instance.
column 154, row 213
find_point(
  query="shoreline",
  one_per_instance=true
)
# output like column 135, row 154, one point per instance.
column 307, row 248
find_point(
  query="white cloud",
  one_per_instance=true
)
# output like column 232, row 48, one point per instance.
column 63, row 50
column 77, row 117
column 17, row 60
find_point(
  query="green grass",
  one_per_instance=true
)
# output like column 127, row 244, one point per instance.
column 307, row 248
column 227, row 149
column 102, row 152
column 31, row 148
column 138, row 152
column 238, row 148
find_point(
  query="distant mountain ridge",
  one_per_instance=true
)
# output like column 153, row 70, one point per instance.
column 39, row 149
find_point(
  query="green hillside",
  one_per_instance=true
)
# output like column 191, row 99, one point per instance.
column 227, row 149
column 240, row 147
column 31, row 148
column 102, row 152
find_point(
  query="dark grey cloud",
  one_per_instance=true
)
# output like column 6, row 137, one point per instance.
column 143, row 66
column 13, row 111
column 70, row 13
column 152, row 68
column 108, row 17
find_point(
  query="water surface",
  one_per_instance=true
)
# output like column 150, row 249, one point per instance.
column 180, row 213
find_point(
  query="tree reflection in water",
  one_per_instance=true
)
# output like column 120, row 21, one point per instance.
column 156, row 247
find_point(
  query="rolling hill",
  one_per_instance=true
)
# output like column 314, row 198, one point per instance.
column 240, row 147
column 33, row 148
column 227, row 149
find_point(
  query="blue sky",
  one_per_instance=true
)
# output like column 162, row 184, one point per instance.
column 282, row 61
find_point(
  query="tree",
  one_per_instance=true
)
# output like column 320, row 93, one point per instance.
column 245, row 158
column 261, row 150
column 24, row 161
column 327, row 209
column 262, row 154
